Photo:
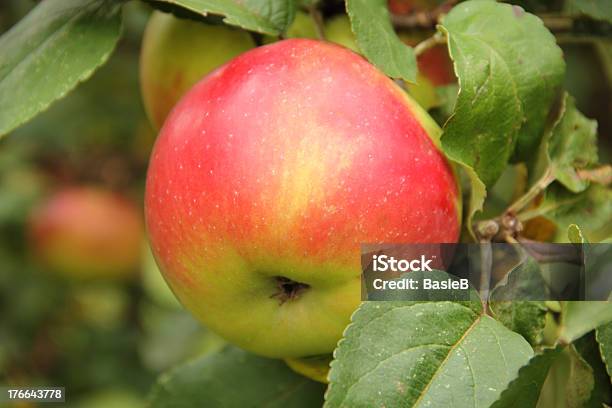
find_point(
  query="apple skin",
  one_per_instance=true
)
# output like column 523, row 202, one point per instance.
column 315, row 367
column 278, row 165
column 176, row 53
column 87, row 233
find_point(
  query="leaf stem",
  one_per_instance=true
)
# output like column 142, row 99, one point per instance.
column 535, row 190
column 428, row 43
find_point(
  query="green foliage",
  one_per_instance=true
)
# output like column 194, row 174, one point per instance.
column 378, row 41
column 524, row 390
column 575, row 235
column 507, row 103
column 580, row 381
column 59, row 44
column 569, row 147
column 573, row 146
column 604, row 338
column 527, row 318
column 234, row 378
column 506, row 61
column 591, row 210
column 598, row 9
column 432, row 354
column 579, row 318
column 587, row 348
column 263, row 16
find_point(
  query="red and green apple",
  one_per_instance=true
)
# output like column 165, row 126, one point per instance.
column 176, row 53
column 269, row 174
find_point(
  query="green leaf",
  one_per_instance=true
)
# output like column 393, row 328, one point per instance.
column 598, row 9
column 263, row 16
column 378, row 41
column 524, row 391
column 580, row 382
column 604, row 338
column 420, row 354
column 579, row 318
column 235, row 378
column 570, row 146
column 588, row 349
column 477, row 195
column 57, row 45
column 524, row 281
column 573, row 146
column 591, row 209
column 575, row 235
column 509, row 69
column 527, row 318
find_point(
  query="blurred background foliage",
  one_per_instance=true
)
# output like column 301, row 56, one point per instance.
column 106, row 341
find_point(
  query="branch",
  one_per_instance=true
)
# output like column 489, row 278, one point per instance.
column 428, row 43
column 426, row 19
column 316, row 16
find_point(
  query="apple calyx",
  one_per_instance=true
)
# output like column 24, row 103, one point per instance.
column 288, row 289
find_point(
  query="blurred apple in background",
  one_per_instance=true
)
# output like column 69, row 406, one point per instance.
column 402, row 7
column 153, row 281
column 435, row 70
column 87, row 233
column 176, row 53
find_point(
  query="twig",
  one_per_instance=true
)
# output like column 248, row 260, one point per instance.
column 316, row 16
column 533, row 192
column 427, row 20
column 486, row 264
column 422, row 19
column 428, row 43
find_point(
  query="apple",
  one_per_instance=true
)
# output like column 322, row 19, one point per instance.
column 403, row 7
column 314, row 367
column 87, row 233
column 176, row 53
column 269, row 174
